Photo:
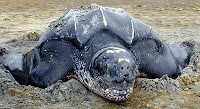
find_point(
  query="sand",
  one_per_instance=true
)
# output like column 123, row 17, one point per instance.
column 174, row 21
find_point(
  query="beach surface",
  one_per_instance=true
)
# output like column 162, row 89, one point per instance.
column 23, row 21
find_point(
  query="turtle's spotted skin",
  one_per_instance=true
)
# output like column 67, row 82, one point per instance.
column 104, row 48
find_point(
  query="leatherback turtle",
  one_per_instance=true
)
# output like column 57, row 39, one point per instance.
column 104, row 48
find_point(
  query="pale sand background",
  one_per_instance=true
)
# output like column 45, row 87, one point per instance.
column 173, row 20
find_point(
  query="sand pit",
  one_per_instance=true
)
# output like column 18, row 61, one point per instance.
column 174, row 22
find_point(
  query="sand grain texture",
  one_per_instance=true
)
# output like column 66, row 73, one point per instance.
column 175, row 21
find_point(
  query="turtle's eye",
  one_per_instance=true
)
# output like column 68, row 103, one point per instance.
column 96, row 72
column 97, row 67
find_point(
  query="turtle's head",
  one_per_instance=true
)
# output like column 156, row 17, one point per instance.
column 114, row 71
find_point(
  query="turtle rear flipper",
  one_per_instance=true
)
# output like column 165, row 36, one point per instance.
column 181, row 53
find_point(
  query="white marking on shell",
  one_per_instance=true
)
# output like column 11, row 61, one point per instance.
column 150, row 27
column 104, row 19
column 75, row 23
column 123, row 59
column 132, row 29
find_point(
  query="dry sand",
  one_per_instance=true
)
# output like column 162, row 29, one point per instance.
column 174, row 21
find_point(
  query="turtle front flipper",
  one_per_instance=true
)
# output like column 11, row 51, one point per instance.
column 14, row 63
column 52, row 62
column 43, row 66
